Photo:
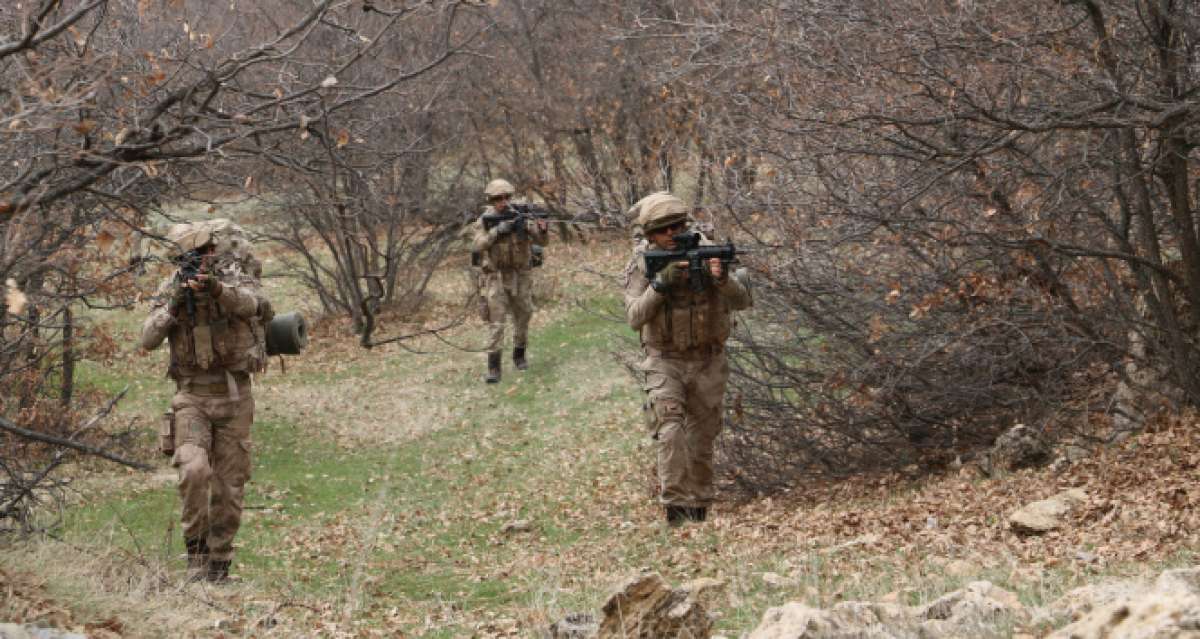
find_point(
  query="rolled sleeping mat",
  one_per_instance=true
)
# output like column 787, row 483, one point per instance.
column 286, row 334
column 743, row 277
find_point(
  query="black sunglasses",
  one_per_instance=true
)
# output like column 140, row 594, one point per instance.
column 671, row 227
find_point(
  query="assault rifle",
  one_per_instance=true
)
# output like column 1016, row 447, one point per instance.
column 688, row 249
column 191, row 265
column 520, row 214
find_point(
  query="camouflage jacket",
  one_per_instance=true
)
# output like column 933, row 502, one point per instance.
column 226, row 333
column 680, row 321
column 506, row 252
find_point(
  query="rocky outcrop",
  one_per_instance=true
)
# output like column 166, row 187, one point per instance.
column 1167, row 609
column 648, row 608
column 797, row 620
column 978, row 610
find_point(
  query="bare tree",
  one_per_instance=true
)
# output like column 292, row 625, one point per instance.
column 971, row 208
column 113, row 108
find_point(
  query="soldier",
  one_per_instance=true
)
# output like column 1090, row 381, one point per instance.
column 212, row 314
column 683, row 335
column 635, row 211
column 506, row 252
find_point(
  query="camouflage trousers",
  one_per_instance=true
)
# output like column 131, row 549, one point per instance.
column 508, row 292
column 683, row 412
column 212, row 457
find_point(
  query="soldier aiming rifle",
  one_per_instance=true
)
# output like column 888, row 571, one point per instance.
column 508, row 242
column 220, row 329
column 680, row 296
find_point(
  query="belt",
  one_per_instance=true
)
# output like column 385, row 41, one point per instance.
column 215, row 388
column 700, row 352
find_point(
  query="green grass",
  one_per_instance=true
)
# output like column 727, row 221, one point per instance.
column 432, row 501
column 405, row 533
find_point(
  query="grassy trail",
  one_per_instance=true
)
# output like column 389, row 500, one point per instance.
column 416, row 524
column 395, row 494
column 393, row 491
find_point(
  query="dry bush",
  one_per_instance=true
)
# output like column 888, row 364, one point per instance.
column 964, row 208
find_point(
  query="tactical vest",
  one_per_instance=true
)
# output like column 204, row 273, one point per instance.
column 510, row 252
column 216, row 341
column 688, row 320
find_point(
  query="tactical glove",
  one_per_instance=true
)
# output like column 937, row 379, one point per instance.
column 668, row 276
column 504, row 227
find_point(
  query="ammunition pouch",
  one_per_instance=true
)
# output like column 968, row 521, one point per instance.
column 536, row 255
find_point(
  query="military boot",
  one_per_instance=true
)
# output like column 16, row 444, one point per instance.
column 218, row 571
column 676, row 515
column 519, row 358
column 197, row 558
column 493, row 375
column 699, row 513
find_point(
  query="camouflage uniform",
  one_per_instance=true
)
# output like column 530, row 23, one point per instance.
column 506, row 281
column 212, row 358
column 683, row 335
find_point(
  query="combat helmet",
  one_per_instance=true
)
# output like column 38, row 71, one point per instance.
column 231, row 243
column 661, row 212
column 635, row 211
column 498, row 187
column 189, row 237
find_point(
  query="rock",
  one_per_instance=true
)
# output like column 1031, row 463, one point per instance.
column 973, row 611
column 796, row 620
column 1081, row 601
column 574, row 626
column 1151, row 614
column 18, row 631
column 647, row 607
column 705, row 590
column 1124, row 609
column 1169, row 608
column 1183, row 579
column 518, row 526
column 1020, row 447
column 979, row 600
column 577, row 625
column 1046, row 514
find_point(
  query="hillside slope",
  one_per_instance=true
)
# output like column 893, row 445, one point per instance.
column 396, row 494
